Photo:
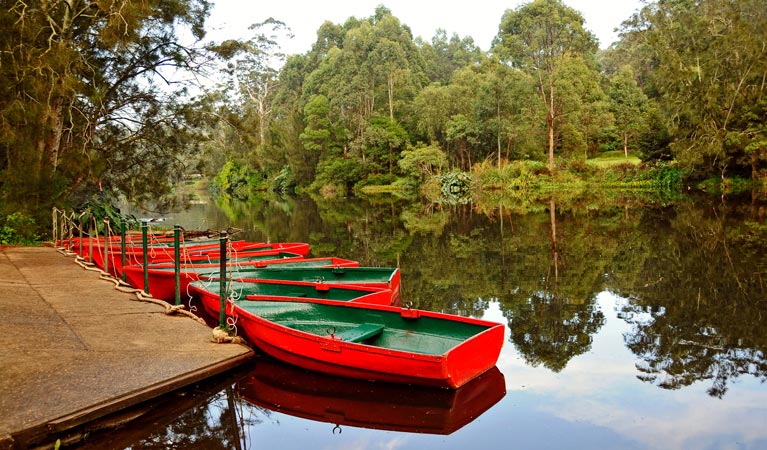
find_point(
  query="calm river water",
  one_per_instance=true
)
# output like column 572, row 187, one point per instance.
column 641, row 325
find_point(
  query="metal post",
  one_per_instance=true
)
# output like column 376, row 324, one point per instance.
column 145, row 247
column 222, row 281
column 54, row 222
column 106, row 245
column 90, row 236
column 122, row 247
column 62, row 227
column 71, row 230
column 177, row 260
column 80, row 229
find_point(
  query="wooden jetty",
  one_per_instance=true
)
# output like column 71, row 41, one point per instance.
column 74, row 349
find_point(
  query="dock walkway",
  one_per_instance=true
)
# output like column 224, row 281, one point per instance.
column 74, row 349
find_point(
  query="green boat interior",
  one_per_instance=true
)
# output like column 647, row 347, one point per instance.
column 240, row 290
column 387, row 329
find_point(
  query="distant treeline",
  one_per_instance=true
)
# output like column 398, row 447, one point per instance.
column 102, row 98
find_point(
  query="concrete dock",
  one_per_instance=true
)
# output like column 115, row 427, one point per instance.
column 74, row 349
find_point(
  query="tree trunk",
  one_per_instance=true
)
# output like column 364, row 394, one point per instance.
column 498, row 137
column 550, row 124
column 391, row 96
column 626, row 144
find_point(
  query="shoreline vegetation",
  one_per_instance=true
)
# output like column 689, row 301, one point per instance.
column 522, row 186
column 96, row 109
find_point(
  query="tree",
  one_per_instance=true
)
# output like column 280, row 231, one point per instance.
column 82, row 107
column 251, row 72
column 628, row 104
column 423, row 161
column 443, row 57
column 704, row 62
column 538, row 37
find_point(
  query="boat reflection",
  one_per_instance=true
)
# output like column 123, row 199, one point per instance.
column 341, row 401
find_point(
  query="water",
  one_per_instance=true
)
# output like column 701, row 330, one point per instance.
column 637, row 326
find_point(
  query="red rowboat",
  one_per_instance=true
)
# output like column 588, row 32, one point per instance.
column 372, row 342
column 162, row 275
column 255, row 290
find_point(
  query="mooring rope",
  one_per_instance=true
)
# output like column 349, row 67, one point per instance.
column 64, row 225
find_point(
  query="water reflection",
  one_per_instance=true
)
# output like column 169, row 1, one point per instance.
column 693, row 271
column 345, row 402
column 630, row 324
column 226, row 412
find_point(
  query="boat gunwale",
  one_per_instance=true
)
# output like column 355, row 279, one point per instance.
column 407, row 354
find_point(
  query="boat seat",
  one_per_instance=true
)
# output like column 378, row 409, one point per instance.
column 361, row 332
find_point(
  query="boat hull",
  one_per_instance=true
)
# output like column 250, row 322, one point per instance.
column 207, row 292
column 465, row 360
column 162, row 276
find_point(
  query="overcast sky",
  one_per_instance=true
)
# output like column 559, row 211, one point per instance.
column 476, row 18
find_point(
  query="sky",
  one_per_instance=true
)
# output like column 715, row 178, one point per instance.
column 478, row 19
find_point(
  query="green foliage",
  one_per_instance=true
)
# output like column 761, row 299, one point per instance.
column 682, row 51
column 284, row 181
column 342, row 172
column 81, row 105
column 18, row 229
column 240, row 180
column 455, row 187
column 423, row 161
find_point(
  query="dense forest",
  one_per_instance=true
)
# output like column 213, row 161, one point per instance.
column 109, row 98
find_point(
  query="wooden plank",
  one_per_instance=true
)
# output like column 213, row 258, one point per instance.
column 361, row 332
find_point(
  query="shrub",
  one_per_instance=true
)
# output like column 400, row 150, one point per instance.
column 17, row 229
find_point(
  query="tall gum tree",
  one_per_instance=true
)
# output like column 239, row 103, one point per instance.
column 537, row 38
column 705, row 62
column 81, row 102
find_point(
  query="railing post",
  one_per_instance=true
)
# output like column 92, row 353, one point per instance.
column 54, row 225
column 222, row 281
column 145, row 248
column 70, row 235
column 177, row 260
column 122, row 247
column 62, row 227
column 106, row 245
column 90, row 236
column 80, row 229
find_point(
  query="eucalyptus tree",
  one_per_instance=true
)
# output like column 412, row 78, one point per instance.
column 92, row 98
column 628, row 104
column 373, row 74
column 443, row 56
column 502, row 107
column 705, row 61
column 538, row 37
column 250, row 81
column 463, row 129
column 583, row 106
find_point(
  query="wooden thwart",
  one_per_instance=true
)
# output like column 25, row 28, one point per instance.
column 361, row 332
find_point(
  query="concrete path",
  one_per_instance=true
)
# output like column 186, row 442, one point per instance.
column 74, row 349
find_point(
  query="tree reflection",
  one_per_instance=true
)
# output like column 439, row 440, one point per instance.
column 697, row 298
column 553, row 317
column 551, row 331
column 217, row 424
column 694, row 273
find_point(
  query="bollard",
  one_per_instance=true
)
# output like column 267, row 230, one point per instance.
column 145, row 248
column 177, row 260
column 222, row 282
